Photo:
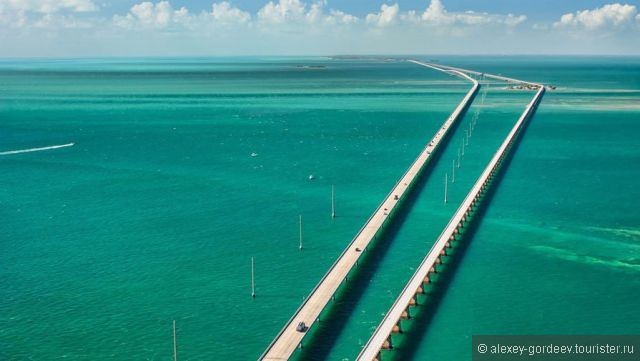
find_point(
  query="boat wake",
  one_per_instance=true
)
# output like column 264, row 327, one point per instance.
column 36, row 149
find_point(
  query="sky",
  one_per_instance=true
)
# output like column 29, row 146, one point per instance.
column 95, row 28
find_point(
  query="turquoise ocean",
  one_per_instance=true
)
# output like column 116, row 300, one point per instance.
column 183, row 169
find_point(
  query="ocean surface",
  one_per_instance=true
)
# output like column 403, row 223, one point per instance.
column 183, row 169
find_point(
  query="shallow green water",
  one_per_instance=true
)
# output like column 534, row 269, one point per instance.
column 183, row 169
column 558, row 251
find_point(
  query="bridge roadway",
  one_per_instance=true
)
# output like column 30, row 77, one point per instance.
column 486, row 75
column 289, row 338
column 381, row 338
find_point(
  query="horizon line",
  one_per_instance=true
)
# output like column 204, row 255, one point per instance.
column 372, row 55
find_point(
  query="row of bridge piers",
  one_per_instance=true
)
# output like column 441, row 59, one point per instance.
column 478, row 193
column 456, row 236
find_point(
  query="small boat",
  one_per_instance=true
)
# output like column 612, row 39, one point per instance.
column 312, row 177
column 254, row 154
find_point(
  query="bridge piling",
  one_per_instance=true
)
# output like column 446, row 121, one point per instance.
column 372, row 349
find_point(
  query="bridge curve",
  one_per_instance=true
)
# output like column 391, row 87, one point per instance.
column 290, row 337
column 381, row 338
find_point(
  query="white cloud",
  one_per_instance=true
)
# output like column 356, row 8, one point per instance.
column 318, row 15
column 291, row 12
column 275, row 15
column 162, row 15
column 12, row 19
column 315, row 13
column 341, row 17
column 436, row 14
column 160, row 27
column 149, row 15
column 288, row 13
column 387, row 16
column 282, row 11
column 51, row 21
column 39, row 14
column 225, row 13
column 608, row 17
column 48, row 6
